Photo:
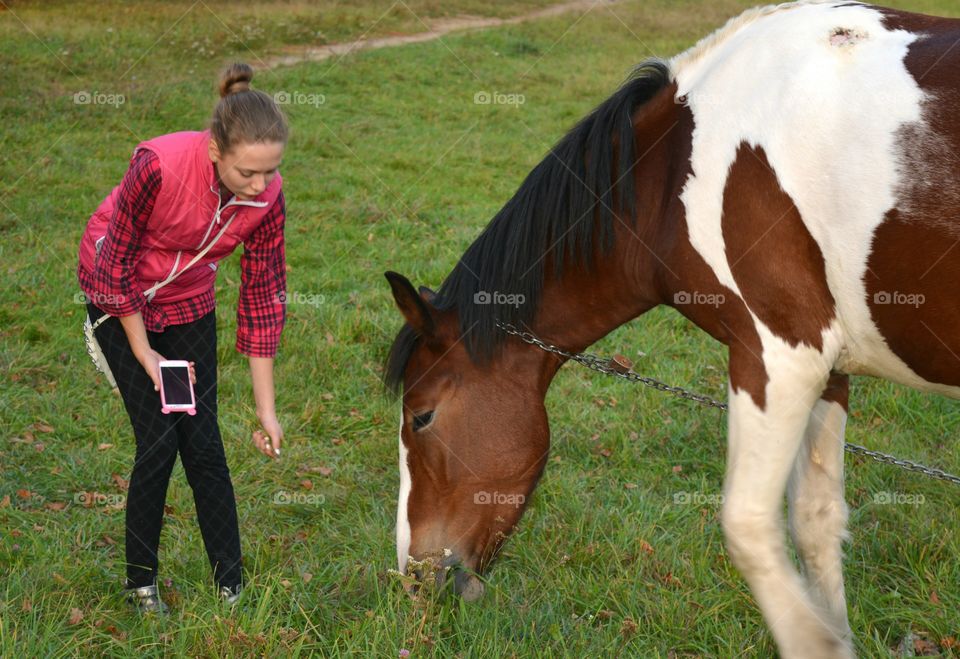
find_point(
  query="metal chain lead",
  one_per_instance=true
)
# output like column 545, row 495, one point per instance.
column 597, row 363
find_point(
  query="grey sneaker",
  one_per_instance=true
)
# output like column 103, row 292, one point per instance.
column 147, row 599
column 230, row 594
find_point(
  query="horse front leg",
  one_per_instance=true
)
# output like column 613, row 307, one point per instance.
column 817, row 510
column 766, row 432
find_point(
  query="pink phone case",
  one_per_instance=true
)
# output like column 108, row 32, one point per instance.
column 192, row 410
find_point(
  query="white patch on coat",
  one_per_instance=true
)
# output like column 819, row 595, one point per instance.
column 403, row 523
column 829, row 120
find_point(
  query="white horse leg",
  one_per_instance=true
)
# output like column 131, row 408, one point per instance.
column 763, row 445
column 818, row 512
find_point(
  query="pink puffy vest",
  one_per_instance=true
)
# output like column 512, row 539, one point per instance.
column 185, row 218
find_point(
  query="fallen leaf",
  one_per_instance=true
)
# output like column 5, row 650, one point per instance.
column 76, row 615
column 925, row 647
column 26, row 606
column 323, row 471
column 306, row 577
column 120, row 482
column 24, row 494
column 285, row 583
column 5, row 502
column 104, row 447
column 43, row 427
column 306, row 484
column 39, row 446
column 327, row 396
column 669, row 580
column 677, row 469
column 630, row 486
column 934, row 598
column 646, row 547
column 55, row 505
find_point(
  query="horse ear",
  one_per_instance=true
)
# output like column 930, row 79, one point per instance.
column 427, row 294
column 414, row 309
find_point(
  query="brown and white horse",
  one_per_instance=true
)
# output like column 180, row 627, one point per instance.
column 790, row 185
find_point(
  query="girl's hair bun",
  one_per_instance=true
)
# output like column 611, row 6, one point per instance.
column 236, row 78
column 249, row 117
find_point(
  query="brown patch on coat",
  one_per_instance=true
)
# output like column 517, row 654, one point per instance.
column 837, row 390
column 910, row 297
column 715, row 308
column 915, row 257
column 777, row 264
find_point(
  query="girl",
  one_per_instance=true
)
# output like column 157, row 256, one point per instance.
column 188, row 195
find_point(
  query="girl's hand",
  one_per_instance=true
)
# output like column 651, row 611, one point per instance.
column 269, row 443
column 150, row 360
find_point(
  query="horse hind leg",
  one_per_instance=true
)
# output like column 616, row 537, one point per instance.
column 817, row 510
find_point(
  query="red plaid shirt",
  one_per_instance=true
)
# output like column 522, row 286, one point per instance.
column 260, row 312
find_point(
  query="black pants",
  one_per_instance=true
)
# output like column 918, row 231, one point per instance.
column 161, row 436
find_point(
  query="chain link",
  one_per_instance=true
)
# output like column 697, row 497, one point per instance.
column 601, row 365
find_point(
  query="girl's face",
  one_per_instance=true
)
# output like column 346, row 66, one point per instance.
column 247, row 169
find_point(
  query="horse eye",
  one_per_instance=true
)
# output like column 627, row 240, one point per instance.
column 421, row 421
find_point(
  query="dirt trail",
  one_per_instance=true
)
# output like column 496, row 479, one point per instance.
column 437, row 29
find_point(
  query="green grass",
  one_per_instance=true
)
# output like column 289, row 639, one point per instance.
column 397, row 169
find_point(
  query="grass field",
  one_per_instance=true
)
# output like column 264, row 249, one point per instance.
column 391, row 165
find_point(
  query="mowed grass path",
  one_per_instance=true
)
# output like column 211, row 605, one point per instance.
column 397, row 168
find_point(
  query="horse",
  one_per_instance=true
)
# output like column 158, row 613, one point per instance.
column 788, row 185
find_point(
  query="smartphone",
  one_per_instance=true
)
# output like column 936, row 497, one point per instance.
column 176, row 390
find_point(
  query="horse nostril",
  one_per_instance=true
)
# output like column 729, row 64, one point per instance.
column 467, row 585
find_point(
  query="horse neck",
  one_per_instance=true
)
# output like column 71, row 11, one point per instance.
column 584, row 304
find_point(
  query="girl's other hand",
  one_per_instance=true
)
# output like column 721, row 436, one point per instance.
column 268, row 442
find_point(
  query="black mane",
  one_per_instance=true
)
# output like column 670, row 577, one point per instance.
column 562, row 203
